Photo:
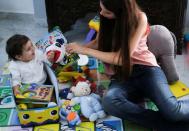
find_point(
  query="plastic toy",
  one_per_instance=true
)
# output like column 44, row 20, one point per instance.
column 34, row 92
column 38, row 116
column 94, row 26
column 95, row 23
column 89, row 102
column 70, row 113
column 66, row 76
column 22, row 106
column 72, row 117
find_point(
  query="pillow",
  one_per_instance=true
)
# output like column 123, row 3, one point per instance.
column 162, row 44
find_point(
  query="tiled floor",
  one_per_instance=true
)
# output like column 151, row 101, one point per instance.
column 26, row 24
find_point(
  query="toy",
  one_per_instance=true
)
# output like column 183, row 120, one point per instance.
column 94, row 26
column 179, row 89
column 34, row 92
column 51, row 104
column 22, row 106
column 65, row 93
column 89, row 102
column 95, row 23
column 59, row 50
column 70, row 113
column 66, row 76
column 54, row 41
column 72, row 117
column 38, row 116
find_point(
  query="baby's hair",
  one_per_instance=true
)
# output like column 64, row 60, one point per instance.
column 15, row 45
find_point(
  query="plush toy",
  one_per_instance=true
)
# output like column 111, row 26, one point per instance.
column 89, row 102
column 54, row 41
column 59, row 49
column 162, row 43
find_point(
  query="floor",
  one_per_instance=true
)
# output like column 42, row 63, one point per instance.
column 11, row 23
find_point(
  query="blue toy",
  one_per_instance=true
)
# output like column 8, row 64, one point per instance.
column 65, row 93
column 72, row 117
column 70, row 113
column 89, row 102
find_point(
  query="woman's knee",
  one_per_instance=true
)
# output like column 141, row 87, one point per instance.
column 111, row 98
column 172, row 110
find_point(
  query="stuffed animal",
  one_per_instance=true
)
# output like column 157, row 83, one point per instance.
column 162, row 43
column 54, row 41
column 59, row 49
column 89, row 102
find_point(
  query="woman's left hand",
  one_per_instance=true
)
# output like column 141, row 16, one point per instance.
column 75, row 48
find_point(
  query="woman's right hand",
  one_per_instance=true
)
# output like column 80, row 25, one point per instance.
column 75, row 48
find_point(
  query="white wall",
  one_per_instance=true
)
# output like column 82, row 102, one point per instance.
column 17, row 6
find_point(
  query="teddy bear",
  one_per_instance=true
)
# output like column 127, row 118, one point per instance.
column 89, row 102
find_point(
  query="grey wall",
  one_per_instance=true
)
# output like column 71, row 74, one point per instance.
column 17, row 6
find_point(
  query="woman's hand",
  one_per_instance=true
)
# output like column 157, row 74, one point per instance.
column 75, row 48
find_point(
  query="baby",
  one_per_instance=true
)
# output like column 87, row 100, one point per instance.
column 26, row 62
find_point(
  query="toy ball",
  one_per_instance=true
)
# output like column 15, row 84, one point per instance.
column 83, row 60
column 52, row 104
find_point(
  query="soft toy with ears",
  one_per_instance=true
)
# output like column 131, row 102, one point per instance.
column 162, row 43
column 59, row 49
column 89, row 102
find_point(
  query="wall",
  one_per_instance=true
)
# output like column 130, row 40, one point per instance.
column 17, row 6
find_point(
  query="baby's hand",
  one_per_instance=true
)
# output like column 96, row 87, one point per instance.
column 75, row 48
column 50, row 56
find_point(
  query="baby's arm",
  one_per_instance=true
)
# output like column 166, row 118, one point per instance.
column 45, row 58
column 16, row 76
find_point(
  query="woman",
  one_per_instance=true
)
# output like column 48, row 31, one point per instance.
column 122, row 42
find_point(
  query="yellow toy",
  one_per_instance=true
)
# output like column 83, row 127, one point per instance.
column 22, row 106
column 179, row 89
column 66, row 76
column 38, row 116
column 95, row 23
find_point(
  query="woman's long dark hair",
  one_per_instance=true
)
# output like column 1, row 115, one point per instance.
column 114, row 34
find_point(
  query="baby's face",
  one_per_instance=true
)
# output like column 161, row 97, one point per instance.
column 28, row 52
